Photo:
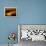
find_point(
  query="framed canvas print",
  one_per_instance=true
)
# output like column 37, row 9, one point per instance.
column 10, row 11
column 32, row 32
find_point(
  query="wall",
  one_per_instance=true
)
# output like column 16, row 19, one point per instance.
column 28, row 12
column 33, row 12
column 7, row 24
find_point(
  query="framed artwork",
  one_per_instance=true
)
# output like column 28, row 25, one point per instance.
column 10, row 11
column 32, row 32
